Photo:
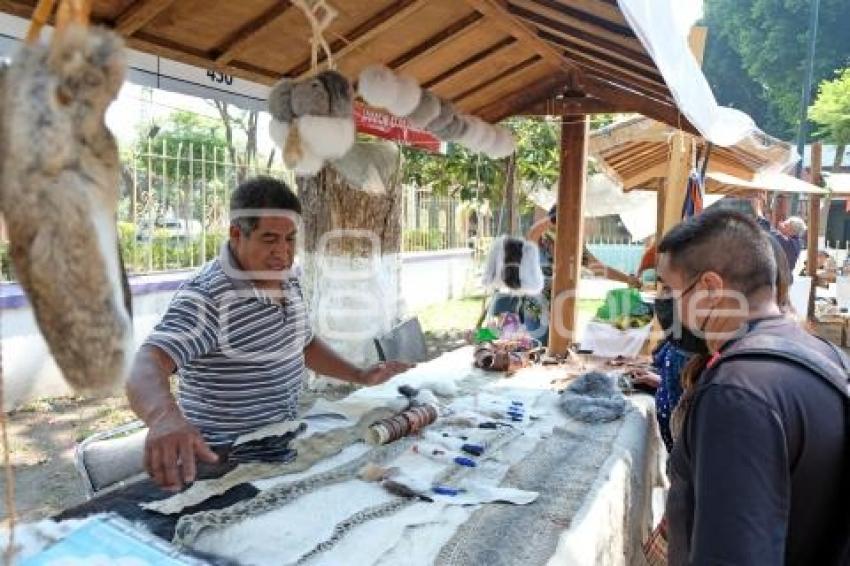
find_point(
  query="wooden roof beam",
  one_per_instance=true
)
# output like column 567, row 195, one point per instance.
column 365, row 32
column 570, row 105
column 501, row 76
column 523, row 97
column 183, row 54
column 631, row 101
column 465, row 64
column 554, row 16
column 639, row 179
column 497, row 12
column 247, row 33
column 435, row 42
column 139, row 14
column 602, row 63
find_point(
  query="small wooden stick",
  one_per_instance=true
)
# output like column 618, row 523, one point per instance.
column 39, row 19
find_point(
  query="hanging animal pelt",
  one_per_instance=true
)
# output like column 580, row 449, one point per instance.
column 312, row 120
column 59, row 196
column 513, row 266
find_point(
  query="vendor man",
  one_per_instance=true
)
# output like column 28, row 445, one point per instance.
column 540, row 229
column 238, row 336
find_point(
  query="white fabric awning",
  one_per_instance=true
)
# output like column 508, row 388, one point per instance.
column 769, row 182
column 839, row 183
column 663, row 27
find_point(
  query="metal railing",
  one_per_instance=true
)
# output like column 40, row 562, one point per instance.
column 174, row 203
column 433, row 223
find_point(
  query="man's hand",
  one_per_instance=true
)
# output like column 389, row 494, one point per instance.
column 648, row 378
column 635, row 282
column 381, row 372
column 171, row 447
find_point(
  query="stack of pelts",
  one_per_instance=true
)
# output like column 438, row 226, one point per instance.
column 59, row 196
column 312, row 120
column 403, row 97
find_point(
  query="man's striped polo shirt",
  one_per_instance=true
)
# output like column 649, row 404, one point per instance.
column 239, row 352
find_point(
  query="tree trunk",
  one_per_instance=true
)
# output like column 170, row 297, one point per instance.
column 352, row 241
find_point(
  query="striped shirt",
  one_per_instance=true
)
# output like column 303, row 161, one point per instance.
column 239, row 352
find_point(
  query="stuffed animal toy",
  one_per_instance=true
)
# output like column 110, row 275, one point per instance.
column 312, row 120
column 59, row 196
column 513, row 266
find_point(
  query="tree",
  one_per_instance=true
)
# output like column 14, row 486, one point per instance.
column 831, row 111
column 771, row 39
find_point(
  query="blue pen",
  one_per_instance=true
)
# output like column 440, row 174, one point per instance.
column 461, row 461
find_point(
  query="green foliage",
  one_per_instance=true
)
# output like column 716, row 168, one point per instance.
column 472, row 176
column 770, row 39
column 163, row 251
column 177, row 150
column 423, row 240
column 831, row 110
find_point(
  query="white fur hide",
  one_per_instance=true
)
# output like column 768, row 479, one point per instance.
column 408, row 95
column 326, row 137
column 378, row 86
column 278, row 132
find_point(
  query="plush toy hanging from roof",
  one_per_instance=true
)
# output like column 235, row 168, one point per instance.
column 312, row 120
column 404, row 98
column 313, row 117
column 513, row 266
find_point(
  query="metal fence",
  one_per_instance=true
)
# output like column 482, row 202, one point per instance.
column 433, row 223
column 174, row 202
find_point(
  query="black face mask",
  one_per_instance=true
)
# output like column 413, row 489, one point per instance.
column 667, row 313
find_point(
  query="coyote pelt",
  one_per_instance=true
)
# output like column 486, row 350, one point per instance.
column 59, row 196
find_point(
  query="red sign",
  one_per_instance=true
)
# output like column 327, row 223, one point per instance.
column 389, row 127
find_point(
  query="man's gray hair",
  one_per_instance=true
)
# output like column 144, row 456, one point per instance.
column 797, row 225
column 260, row 193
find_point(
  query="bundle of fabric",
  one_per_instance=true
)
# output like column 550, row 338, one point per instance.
column 513, row 266
column 403, row 97
column 312, row 120
column 624, row 308
column 59, row 194
column 593, row 398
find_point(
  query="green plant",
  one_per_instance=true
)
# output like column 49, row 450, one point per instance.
column 424, row 240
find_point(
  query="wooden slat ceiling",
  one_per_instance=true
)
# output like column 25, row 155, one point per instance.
column 637, row 151
column 493, row 58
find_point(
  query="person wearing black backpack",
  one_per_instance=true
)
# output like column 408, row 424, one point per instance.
column 760, row 459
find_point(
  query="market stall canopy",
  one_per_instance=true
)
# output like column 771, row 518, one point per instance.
column 721, row 183
column 491, row 58
column 636, row 153
column 839, row 183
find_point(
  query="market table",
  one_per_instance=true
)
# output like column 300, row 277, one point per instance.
column 593, row 486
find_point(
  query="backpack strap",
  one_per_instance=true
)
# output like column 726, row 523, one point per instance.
column 836, row 374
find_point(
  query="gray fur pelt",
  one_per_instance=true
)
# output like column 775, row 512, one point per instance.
column 59, row 196
column 327, row 94
column 593, row 398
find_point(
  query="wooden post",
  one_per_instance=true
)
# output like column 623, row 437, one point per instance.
column 681, row 159
column 511, row 196
column 814, row 231
column 569, row 240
